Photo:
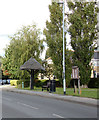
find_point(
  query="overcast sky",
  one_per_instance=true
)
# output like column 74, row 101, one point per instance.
column 15, row 13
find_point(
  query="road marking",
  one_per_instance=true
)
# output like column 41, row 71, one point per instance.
column 57, row 116
column 28, row 105
column 6, row 98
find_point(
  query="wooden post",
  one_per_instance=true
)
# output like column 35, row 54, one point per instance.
column 32, row 80
column 79, row 90
column 75, row 88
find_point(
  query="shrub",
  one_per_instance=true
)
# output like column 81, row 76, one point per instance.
column 57, row 83
column 13, row 82
column 93, row 83
column 26, row 83
column 38, row 83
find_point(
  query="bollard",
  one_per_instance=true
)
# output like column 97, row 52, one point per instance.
column 22, row 84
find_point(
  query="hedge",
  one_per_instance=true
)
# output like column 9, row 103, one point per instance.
column 93, row 83
column 37, row 83
column 13, row 82
column 26, row 83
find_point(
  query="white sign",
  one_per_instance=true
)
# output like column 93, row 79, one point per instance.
column 75, row 73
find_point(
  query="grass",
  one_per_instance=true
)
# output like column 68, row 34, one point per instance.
column 85, row 92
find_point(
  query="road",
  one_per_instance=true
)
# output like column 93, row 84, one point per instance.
column 16, row 105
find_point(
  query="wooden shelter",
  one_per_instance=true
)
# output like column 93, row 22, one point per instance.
column 32, row 66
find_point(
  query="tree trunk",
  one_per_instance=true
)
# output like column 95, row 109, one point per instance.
column 32, row 80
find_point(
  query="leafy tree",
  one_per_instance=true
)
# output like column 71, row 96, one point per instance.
column 69, row 54
column 24, row 44
column 83, row 20
column 0, row 60
column 54, row 40
column 53, row 33
column 0, row 67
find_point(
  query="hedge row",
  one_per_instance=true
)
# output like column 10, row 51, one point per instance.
column 13, row 82
column 37, row 83
column 93, row 83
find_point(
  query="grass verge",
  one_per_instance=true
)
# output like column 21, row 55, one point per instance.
column 85, row 92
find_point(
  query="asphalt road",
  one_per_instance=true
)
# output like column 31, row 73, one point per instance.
column 16, row 105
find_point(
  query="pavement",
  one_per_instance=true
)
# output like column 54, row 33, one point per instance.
column 80, row 100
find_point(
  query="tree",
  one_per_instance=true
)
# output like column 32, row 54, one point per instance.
column 54, row 40
column 53, row 33
column 83, row 20
column 24, row 44
column 49, row 67
column 69, row 54
column 0, row 67
column 0, row 60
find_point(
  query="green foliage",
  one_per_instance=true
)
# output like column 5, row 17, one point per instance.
column 25, row 81
column 0, row 67
column 83, row 20
column 54, row 40
column 53, row 33
column 14, row 82
column 48, row 67
column 93, row 83
column 68, row 72
column 24, row 44
column 39, row 83
column 0, row 73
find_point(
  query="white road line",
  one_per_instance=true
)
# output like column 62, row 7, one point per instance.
column 6, row 98
column 28, row 105
column 57, row 116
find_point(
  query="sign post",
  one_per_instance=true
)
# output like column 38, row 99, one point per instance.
column 75, row 76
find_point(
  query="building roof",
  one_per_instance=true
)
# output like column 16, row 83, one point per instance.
column 32, row 64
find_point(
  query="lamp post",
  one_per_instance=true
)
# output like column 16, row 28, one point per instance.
column 64, row 82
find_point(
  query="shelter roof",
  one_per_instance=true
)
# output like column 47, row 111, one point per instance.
column 32, row 64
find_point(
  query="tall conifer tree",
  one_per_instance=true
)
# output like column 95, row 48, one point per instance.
column 83, row 21
column 54, row 40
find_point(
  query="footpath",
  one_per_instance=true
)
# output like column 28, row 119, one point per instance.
column 80, row 100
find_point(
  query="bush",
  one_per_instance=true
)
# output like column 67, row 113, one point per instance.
column 93, row 83
column 72, row 83
column 14, row 82
column 26, row 83
column 57, row 83
column 38, row 83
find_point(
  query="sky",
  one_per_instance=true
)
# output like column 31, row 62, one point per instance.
column 15, row 13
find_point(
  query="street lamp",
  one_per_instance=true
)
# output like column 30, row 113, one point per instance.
column 64, row 82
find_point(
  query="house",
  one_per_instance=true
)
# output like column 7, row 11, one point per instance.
column 95, row 63
column 49, row 63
